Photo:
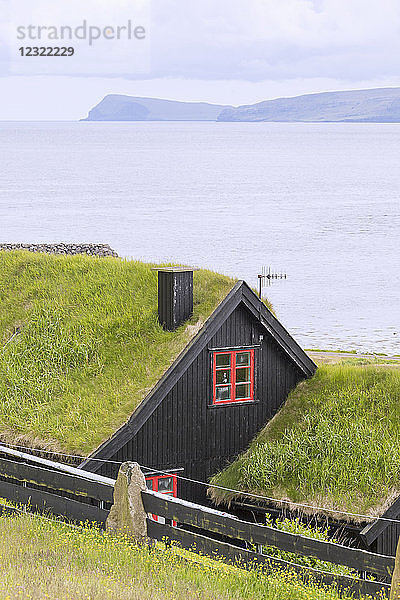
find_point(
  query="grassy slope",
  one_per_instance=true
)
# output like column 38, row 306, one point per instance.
column 335, row 443
column 41, row 559
column 90, row 348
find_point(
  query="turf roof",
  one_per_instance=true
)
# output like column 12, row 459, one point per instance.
column 90, row 347
column 334, row 444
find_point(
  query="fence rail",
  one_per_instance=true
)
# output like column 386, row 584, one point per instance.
column 213, row 521
column 58, row 505
column 228, row 525
column 56, row 480
column 47, row 486
column 55, row 466
column 78, row 495
column 246, row 558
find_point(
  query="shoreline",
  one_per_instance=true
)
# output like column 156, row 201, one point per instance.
column 352, row 356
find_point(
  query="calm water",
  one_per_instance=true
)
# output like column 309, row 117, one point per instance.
column 320, row 202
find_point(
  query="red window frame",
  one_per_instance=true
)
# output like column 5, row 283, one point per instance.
column 154, row 479
column 233, row 368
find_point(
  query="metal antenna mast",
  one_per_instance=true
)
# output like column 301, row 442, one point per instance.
column 265, row 277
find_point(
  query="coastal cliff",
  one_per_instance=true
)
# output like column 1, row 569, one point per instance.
column 377, row 105
column 358, row 106
column 115, row 107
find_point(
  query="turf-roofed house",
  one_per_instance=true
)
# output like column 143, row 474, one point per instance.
column 115, row 360
column 229, row 380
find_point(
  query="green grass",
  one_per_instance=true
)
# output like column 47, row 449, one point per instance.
column 42, row 559
column 374, row 360
column 331, row 351
column 317, row 533
column 335, row 443
column 90, row 346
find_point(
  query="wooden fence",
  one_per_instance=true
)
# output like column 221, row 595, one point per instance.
column 82, row 496
column 53, row 487
column 215, row 522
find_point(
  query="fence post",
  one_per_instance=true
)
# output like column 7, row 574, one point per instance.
column 395, row 587
column 127, row 514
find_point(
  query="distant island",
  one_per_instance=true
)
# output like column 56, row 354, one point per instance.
column 116, row 107
column 381, row 105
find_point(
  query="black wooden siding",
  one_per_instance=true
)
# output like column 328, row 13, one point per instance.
column 386, row 542
column 185, row 431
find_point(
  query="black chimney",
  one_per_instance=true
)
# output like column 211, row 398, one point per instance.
column 175, row 296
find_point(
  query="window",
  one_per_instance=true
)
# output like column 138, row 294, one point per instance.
column 163, row 484
column 166, row 485
column 233, row 376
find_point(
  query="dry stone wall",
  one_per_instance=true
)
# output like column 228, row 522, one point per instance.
column 101, row 250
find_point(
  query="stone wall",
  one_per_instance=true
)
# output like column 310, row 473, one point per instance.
column 100, row 250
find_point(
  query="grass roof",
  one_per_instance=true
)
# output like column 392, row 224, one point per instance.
column 334, row 444
column 90, row 346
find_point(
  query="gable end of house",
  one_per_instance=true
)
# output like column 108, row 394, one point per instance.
column 181, row 404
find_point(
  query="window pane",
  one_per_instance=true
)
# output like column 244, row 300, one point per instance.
column 149, row 483
column 223, row 376
column 242, row 359
column 243, row 390
column 223, row 392
column 243, row 375
column 165, row 485
column 223, row 360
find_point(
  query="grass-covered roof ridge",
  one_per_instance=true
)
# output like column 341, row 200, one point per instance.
column 90, row 346
column 334, row 444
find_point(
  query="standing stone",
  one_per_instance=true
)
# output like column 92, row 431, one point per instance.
column 395, row 587
column 127, row 514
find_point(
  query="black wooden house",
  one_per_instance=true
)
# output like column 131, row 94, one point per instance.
column 217, row 395
column 382, row 536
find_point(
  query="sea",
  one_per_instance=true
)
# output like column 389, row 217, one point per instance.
column 319, row 203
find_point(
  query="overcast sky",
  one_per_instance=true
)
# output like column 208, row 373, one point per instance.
column 224, row 51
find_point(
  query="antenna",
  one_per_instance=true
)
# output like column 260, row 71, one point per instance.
column 265, row 277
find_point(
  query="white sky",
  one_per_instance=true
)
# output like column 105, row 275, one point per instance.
column 225, row 51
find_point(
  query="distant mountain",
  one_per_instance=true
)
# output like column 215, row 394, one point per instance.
column 373, row 106
column 115, row 107
column 369, row 106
